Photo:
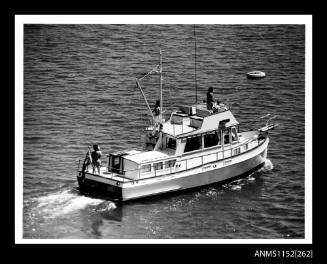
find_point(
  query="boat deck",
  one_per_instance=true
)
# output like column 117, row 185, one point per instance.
column 105, row 174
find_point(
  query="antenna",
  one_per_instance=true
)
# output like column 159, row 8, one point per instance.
column 196, row 87
column 160, row 69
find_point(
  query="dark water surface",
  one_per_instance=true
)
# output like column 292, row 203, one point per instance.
column 79, row 89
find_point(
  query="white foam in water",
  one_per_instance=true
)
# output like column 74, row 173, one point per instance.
column 236, row 187
column 64, row 202
column 108, row 207
column 250, row 178
column 211, row 193
column 239, row 181
column 79, row 203
column 268, row 165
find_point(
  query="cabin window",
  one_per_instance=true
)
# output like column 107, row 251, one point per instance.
column 170, row 163
column 234, row 135
column 171, row 143
column 116, row 164
column 212, row 139
column 146, row 168
column 194, row 143
column 157, row 166
column 237, row 151
column 177, row 119
column 226, row 136
column 116, row 161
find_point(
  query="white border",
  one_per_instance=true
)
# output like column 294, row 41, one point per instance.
column 164, row 19
column 20, row 20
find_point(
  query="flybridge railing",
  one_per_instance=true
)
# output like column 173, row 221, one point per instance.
column 225, row 153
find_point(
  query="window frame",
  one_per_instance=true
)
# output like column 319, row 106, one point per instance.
column 219, row 139
column 116, row 160
column 198, row 149
column 229, row 136
column 236, row 151
column 145, row 165
column 167, row 140
column 155, row 168
column 170, row 162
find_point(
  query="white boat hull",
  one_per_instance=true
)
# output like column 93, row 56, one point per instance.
column 210, row 173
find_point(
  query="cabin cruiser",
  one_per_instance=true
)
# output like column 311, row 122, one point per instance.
column 194, row 147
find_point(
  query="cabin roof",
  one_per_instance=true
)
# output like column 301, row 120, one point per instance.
column 177, row 129
column 125, row 152
column 212, row 122
column 148, row 156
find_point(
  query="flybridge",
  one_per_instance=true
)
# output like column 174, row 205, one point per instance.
column 195, row 120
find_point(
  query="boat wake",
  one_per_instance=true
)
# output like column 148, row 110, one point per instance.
column 237, row 184
column 66, row 202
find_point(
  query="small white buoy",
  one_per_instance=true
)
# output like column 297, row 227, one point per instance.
column 255, row 74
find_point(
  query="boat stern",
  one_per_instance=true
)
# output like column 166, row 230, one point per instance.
column 98, row 188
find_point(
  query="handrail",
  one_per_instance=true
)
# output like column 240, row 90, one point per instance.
column 125, row 179
column 185, row 160
column 202, row 161
column 269, row 119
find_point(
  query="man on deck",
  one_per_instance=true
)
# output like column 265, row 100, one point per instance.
column 96, row 155
column 211, row 104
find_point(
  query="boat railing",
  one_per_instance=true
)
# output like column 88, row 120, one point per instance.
column 219, row 155
column 270, row 122
column 110, row 173
column 226, row 153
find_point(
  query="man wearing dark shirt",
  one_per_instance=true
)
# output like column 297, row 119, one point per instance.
column 210, row 100
column 96, row 155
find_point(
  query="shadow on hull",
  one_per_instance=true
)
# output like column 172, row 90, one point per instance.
column 101, row 193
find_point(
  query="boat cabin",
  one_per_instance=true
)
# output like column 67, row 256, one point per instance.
column 197, row 129
column 191, row 137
